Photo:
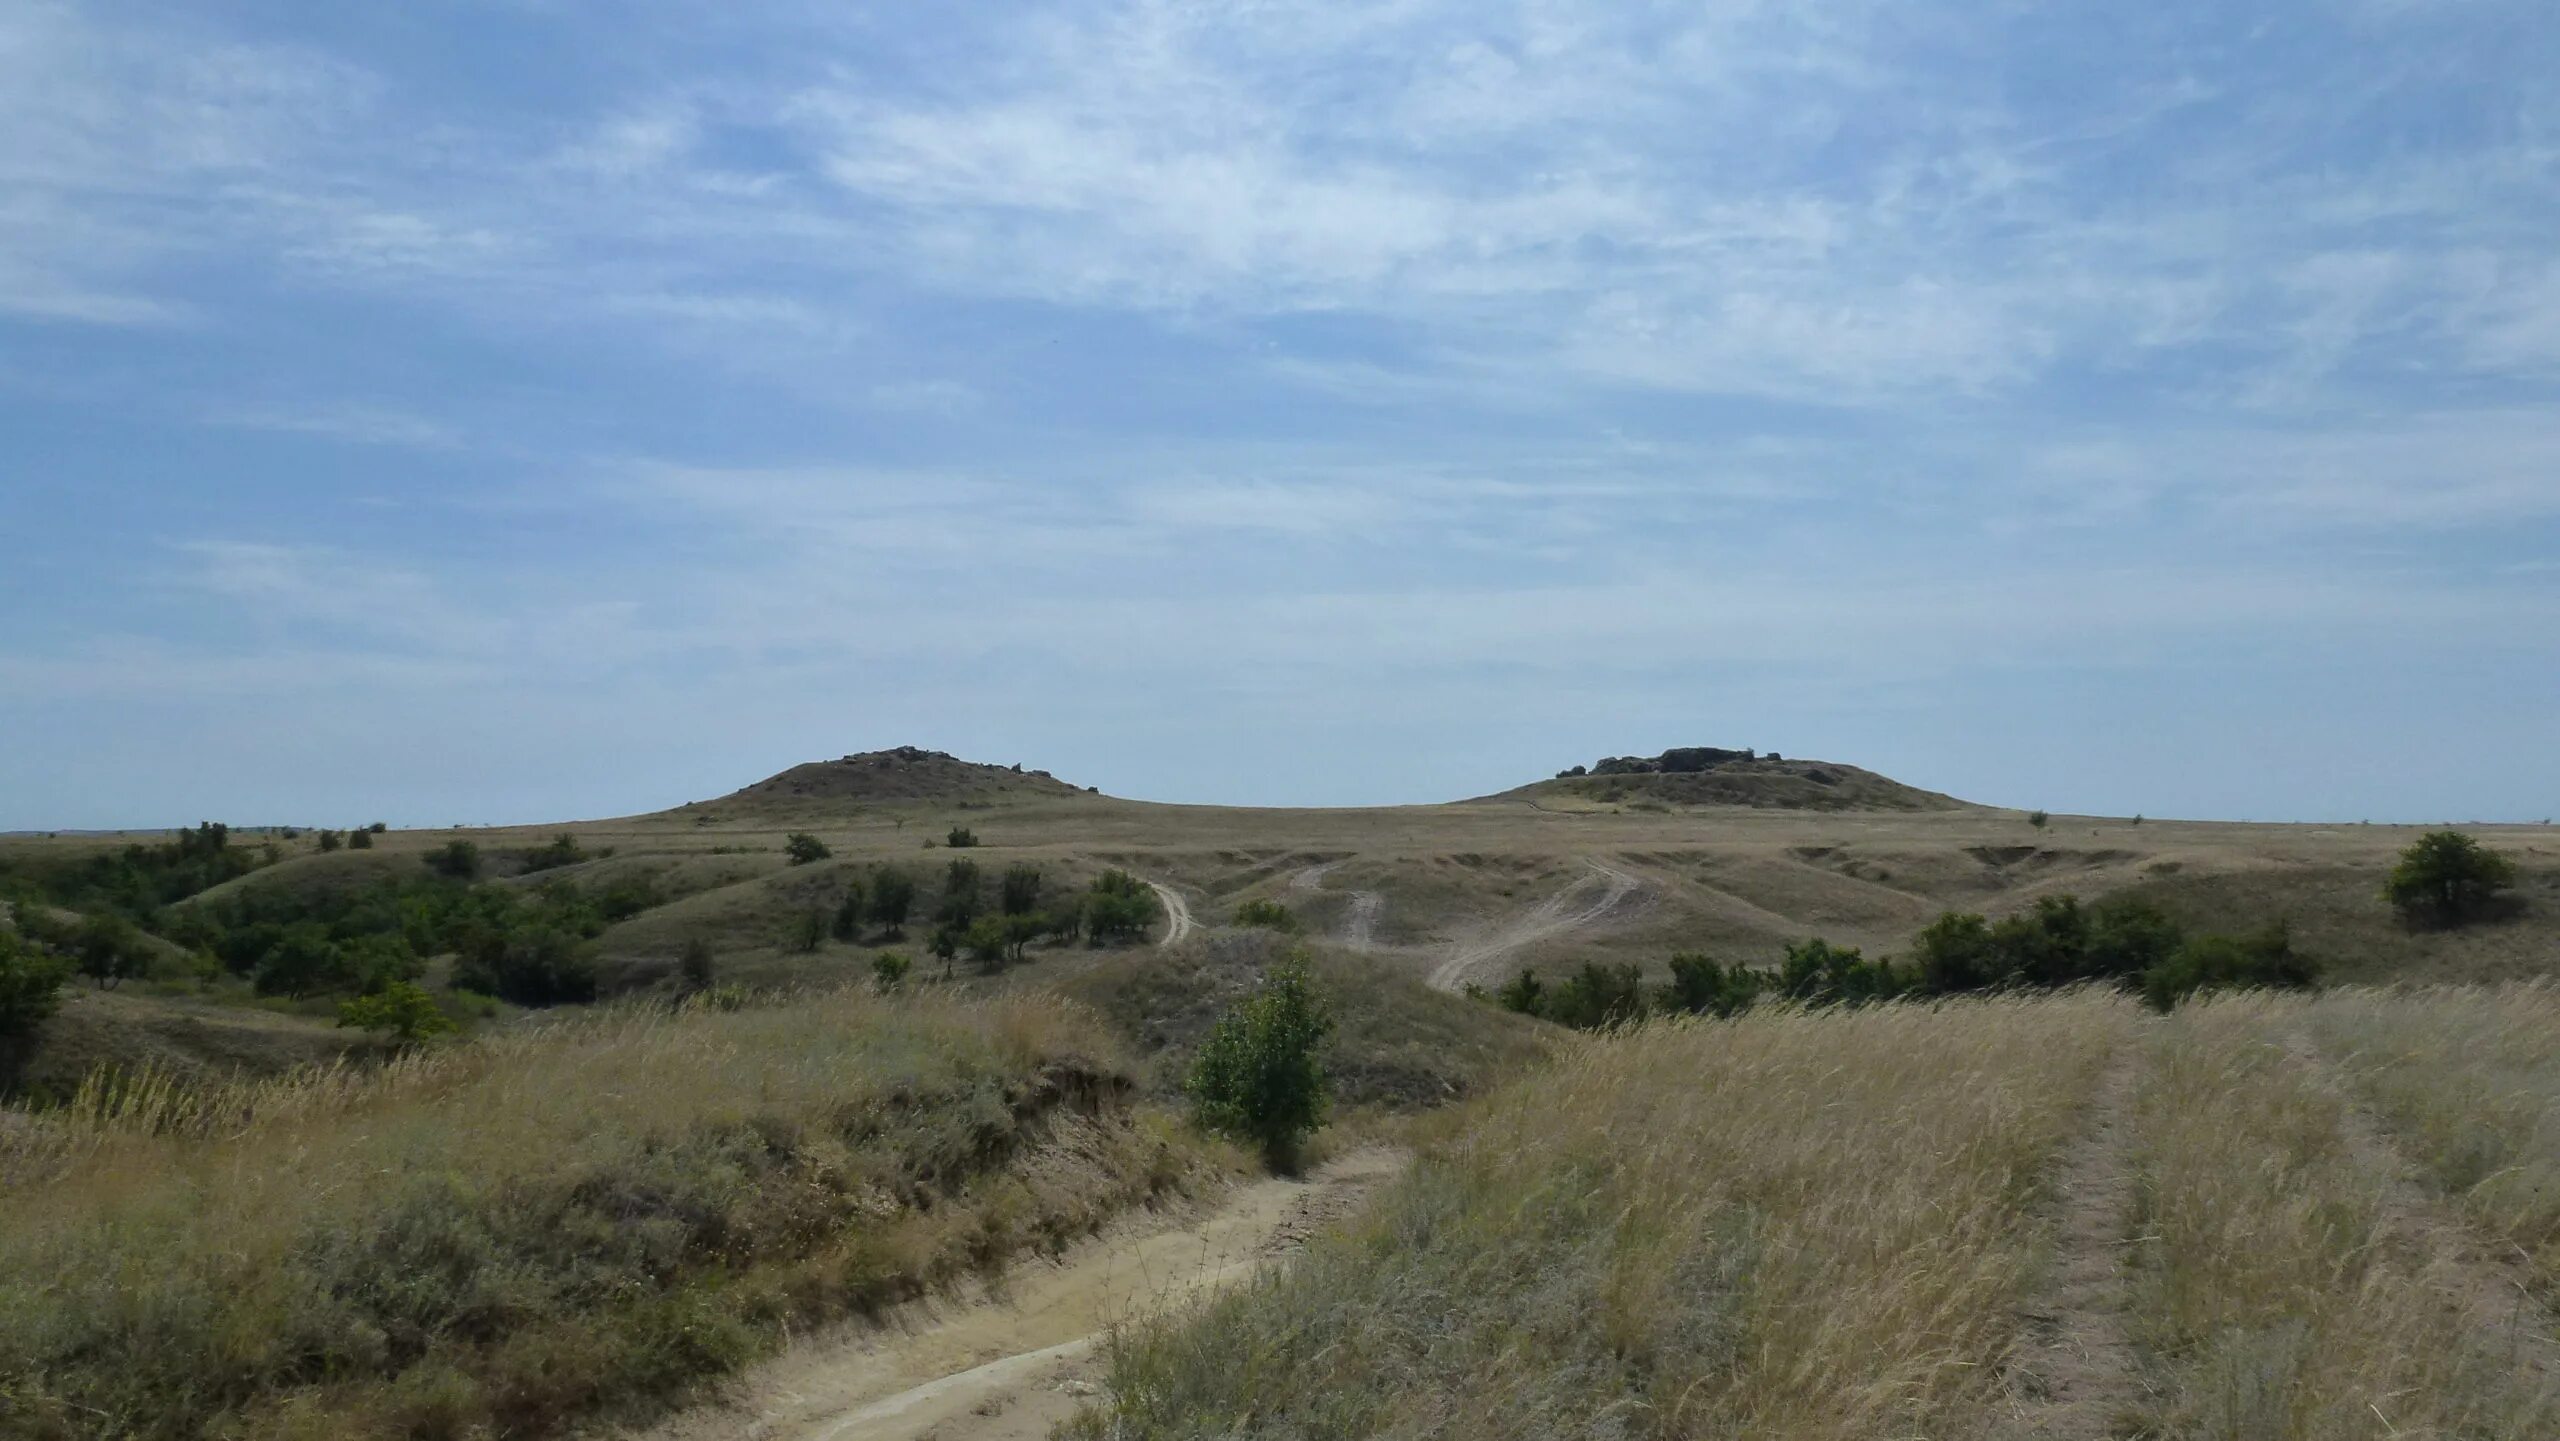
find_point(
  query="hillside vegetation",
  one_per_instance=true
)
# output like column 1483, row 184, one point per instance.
column 498, row 1237
column 2260, row 1217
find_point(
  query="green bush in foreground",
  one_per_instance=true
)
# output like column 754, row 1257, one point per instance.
column 1258, row 1078
column 399, row 1010
column 30, row 985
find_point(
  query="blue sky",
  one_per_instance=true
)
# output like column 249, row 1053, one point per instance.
column 516, row 410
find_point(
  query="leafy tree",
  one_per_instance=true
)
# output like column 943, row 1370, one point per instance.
column 810, row 931
column 1018, row 894
column 399, row 1010
column 330, row 841
column 456, row 860
column 2446, row 878
column 377, row 828
column 30, row 985
column 2047, row 946
column 1000, row 940
column 1267, row 915
column 959, row 893
column 1597, row 997
column 2038, row 819
column 111, row 950
column 1700, row 987
column 804, row 848
column 1258, row 1077
column 1119, row 907
column 848, row 919
column 1523, row 993
column 944, row 945
column 563, row 850
column 1819, row 973
column 889, row 970
column 539, row 966
column 695, row 967
column 961, row 838
column 360, row 840
column 1955, row 953
column 2128, row 936
column 302, row 960
column 893, row 896
column 2262, row 960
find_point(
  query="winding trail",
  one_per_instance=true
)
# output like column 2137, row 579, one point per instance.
column 1178, row 924
column 1009, row 1365
column 2076, row 1374
column 1360, row 923
column 1552, row 917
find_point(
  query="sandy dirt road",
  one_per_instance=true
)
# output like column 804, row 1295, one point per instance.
column 1602, row 896
column 1010, row 1364
column 1178, row 924
column 1360, row 924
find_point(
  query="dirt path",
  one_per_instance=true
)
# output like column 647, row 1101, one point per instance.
column 1010, row 1365
column 2484, row 1285
column 1177, row 913
column 2075, row 1373
column 1554, row 916
column 1360, row 923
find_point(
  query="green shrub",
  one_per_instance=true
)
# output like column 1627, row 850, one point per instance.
column 1700, row 987
column 456, row 860
column 695, row 967
column 803, row 848
column 2038, row 819
column 960, row 838
column 959, row 893
column 399, row 1010
column 30, row 985
column 330, row 841
column 1019, row 892
column 1267, row 915
column 1523, row 993
column 360, row 840
column 809, row 931
column 111, row 950
column 1598, row 997
column 847, row 926
column 893, row 895
column 1119, row 907
column 1258, row 1078
column 563, row 850
column 540, row 966
column 889, row 970
column 2263, row 960
column 2446, row 878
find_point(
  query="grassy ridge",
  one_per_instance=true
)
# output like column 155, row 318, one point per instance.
column 509, row 1234
column 1793, row 1224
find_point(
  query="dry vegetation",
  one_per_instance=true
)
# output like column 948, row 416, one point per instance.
column 503, row 1235
column 2055, row 1218
column 1792, row 1225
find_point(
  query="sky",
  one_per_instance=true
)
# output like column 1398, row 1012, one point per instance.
column 513, row 410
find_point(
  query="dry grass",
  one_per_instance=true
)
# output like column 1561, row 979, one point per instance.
column 1792, row 1225
column 2284, row 1292
column 2468, row 1082
column 504, row 1235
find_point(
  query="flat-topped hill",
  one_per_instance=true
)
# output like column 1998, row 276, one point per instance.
column 1712, row 776
column 900, row 774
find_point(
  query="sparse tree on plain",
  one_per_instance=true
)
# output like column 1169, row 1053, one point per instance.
column 2446, row 878
column 1258, row 1077
column 803, row 848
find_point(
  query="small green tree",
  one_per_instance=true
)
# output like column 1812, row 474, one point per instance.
column 889, row 970
column 803, row 848
column 1267, row 915
column 399, row 1010
column 960, row 893
column 1258, row 1077
column 330, row 841
column 2446, row 878
column 1019, row 893
column 961, row 838
column 848, row 919
column 694, row 968
column 809, row 930
column 111, row 950
column 893, row 896
column 30, row 985
column 2038, row 819
column 456, row 860
column 1523, row 993
column 360, row 840
column 1119, row 907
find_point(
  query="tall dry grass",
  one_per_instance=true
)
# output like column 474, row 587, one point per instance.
column 503, row 1235
column 2281, row 1294
column 1792, row 1225
column 2468, row 1081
